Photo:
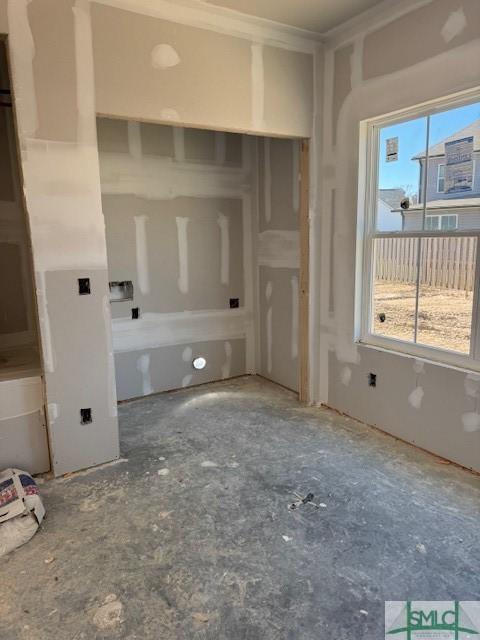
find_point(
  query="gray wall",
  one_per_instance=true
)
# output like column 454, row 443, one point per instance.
column 177, row 204
column 381, row 76
column 118, row 63
column 278, row 260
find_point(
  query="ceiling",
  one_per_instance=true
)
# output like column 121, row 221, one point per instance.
column 313, row 15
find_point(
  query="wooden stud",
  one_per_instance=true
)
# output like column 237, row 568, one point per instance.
column 303, row 338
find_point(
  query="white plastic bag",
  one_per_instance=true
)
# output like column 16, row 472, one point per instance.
column 21, row 509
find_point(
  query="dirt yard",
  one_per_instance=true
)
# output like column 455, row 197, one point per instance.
column 444, row 314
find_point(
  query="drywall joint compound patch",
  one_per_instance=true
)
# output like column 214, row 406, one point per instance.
column 182, row 224
column 164, row 56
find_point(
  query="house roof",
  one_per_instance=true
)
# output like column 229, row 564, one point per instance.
column 452, row 203
column 438, row 149
column 391, row 197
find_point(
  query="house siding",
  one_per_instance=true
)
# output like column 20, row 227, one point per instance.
column 433, row 194
column 467, row 220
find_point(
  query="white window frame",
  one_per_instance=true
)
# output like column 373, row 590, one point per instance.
column 366, row 234
column 439, row 177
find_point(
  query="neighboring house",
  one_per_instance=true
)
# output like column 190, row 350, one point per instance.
column 446, row 210
column 389, row 217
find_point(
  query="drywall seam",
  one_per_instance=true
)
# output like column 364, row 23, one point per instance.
column 227, row 365
column 143, row 365
column 294, row 309
column 222, row 221
column 86, row 132
column 356, row 61
column 134, row 140
column 267, row 180
column 269, row 330
column 220, row 147
column 44, row 323
column 182, row 238
column 112, row 389
column 258, row 87
column 141, row 252
column 277, row 248
column 222, row 21
column 121, row 175
column 154, row 330
column 269, row 325
column 248, row 280
column 179, row 144
column 21, row 62
column 255, row 292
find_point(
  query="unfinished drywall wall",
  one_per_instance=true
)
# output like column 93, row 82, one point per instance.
column 17, row 316
column 151, row 50
column 23, row 433
column 278, row 259
column 178, row 214
column 198, row 76
column 372, row 69
column 52, row 77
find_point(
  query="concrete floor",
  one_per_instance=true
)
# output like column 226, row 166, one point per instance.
column 191, row 536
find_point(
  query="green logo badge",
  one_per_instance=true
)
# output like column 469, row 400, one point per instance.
column 437, row 620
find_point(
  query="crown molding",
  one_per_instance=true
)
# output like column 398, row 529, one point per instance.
column 200, row 14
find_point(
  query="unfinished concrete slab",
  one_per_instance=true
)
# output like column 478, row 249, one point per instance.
column 189, row 535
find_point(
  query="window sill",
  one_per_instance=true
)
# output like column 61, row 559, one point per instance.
column 429, row 355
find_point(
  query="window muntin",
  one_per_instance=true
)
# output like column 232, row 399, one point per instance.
column 420, row 295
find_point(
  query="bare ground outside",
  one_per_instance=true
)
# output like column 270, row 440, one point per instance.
column 444, row 315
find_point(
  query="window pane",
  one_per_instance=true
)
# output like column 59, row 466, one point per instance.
column 453, row 180
column 399, row 173
column 431, row 223
column 447, row 273
column 394, row 287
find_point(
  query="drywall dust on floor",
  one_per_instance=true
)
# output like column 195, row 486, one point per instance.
column 212, row 550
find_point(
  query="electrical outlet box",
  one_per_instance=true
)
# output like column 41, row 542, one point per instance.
column 121, row 290
column 372, row 379
column 86, row 416
column 84, row 286
column 234, row 303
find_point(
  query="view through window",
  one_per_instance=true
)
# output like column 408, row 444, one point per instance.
column 422, row 236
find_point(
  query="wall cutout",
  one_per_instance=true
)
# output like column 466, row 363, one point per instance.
column 121, row 290
column 199, row 363
column 86, row 416
column 84, row 286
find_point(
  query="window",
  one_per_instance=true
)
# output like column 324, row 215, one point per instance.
column 441, row 178
column 420, row 292
column 443, row 222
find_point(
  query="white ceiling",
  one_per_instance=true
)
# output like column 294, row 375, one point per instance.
column 314, row 15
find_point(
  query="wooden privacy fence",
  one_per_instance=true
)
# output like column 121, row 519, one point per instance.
column 444, row 262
